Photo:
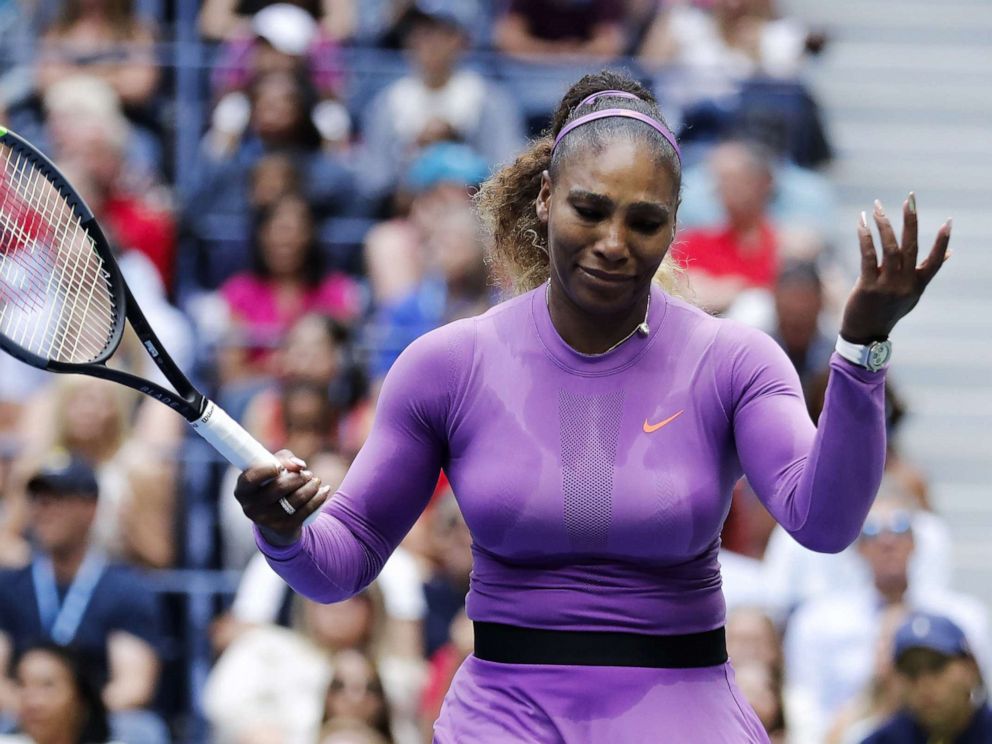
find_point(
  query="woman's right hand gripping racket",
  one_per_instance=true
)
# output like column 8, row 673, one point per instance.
column 64, row 302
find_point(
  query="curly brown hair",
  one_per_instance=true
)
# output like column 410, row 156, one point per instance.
column 518, row 254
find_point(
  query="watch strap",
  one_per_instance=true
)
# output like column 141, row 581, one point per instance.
column 862, row 354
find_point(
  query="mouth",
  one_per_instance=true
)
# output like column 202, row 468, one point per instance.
column 606, row 276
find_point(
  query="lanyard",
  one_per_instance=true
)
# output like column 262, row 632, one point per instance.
column 61, row 619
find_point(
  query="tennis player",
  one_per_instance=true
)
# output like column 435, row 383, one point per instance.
column 592, row 428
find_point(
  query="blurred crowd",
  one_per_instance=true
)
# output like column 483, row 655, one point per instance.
column 324, row 220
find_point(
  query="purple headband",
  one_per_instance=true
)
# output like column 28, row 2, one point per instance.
column 627, row 113
column 602, row 93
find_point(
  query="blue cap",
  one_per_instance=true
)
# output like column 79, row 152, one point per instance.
column 64, row 473
column 448, row 12
column 933, row 632
column 446, row 162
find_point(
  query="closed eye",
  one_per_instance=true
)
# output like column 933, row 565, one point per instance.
column 648, row 228
column 592, row 215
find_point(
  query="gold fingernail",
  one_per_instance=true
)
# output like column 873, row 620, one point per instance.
column 912, row 203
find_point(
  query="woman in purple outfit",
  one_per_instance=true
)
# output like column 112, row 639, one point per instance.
column 592, row 428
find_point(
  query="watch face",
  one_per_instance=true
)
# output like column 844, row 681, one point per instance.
column 878, row 354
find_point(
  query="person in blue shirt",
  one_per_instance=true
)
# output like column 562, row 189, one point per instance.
column 945, row 700
column 72, row 595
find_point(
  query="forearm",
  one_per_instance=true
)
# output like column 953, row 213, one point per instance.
column 822, row 499
column 326, row 564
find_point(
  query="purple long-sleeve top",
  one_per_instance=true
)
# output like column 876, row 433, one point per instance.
column 586, row 512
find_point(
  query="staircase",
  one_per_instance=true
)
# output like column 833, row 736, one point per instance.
column 906, row 90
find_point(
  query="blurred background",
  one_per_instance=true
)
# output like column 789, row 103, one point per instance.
column 289, row 188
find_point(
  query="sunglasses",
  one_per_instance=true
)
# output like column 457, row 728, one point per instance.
column 899, row 523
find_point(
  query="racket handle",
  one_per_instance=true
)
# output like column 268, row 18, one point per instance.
column 229, row 438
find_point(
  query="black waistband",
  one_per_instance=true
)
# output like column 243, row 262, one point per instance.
column 509, row 644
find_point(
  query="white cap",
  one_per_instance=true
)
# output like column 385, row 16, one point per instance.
column 288, row 28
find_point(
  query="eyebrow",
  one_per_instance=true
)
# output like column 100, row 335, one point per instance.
column 606, row 202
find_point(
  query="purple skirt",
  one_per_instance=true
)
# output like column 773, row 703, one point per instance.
column 494, row 703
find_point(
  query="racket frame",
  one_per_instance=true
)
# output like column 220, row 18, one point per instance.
column 186, row 399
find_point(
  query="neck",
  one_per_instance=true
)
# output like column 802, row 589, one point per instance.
column 436, row 79
column 893, row 593
column 66, row 561
column 593, row 334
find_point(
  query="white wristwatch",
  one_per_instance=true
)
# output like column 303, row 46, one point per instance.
column 873, row 356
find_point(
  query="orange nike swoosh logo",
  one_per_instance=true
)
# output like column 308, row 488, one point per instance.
column 648, row 428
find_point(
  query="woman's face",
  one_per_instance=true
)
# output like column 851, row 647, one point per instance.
column 310, row 353
column 90, row 411
column 611, row 219
column 277, row 107
column 341, row 625
column 49, row 703
column 355, row 691
column 285, row 238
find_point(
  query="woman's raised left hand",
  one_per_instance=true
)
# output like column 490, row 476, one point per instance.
column 886, row 292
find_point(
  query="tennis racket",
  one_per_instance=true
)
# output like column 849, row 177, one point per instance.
column 64, row 302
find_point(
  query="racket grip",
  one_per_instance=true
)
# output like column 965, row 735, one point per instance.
column 229, row 438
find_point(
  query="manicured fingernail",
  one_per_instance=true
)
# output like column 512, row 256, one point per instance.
column 306, row 474
column 878, row 207
column 950, row 224
column 297, row 461
column 912, row 203
column 864, row 220
column 324, row 490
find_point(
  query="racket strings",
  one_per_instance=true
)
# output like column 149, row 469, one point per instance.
column 56, row 298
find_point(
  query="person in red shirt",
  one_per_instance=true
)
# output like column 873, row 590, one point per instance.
column 743, row 253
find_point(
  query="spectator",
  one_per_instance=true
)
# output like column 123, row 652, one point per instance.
column 743, row 253
column 800, row 197
column 878, row 700
column 104, row 38
column 427, row 268
column 73, row 108
column 285, row 282
column 752, row 637
column 283, row 37
column 439, row 100
column 278, row 122
column 71, row 594
column 762, row 689
column 57, row 702
column 830, row 641
column 799, row 302
column 446, row 587
column 532, row 29
column 316, row 351
column 355, row 693
column 104, row 423
column 732, row 40
column 273, row 678
column 945, row 697
column 227, row 19
column 135, row 217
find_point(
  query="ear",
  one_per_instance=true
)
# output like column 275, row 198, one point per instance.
column 543, row 203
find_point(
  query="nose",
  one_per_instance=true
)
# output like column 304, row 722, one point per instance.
column 612, row 245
